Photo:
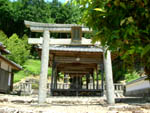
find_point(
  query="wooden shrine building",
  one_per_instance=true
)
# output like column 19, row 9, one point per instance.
column 80, row 67
column 79, row 61
column 6, row 71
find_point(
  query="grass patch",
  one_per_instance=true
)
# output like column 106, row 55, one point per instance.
column 31, row 67
column 131, row 76
column 19, row 75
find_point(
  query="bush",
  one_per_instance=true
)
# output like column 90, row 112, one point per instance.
column 131, row 76
column 35, row 86
column 3, row 37
column 19, row 49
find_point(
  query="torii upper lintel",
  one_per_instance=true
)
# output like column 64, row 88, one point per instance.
column 55, row 28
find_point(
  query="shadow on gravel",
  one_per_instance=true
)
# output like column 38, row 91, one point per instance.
column 131, row 100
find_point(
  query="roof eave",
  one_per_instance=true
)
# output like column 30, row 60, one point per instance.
column 13, row 64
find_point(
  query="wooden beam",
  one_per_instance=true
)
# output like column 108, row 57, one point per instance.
column 76, row 65
column 75, row 68
column 73, row 72
column 76, row 60
column 77, row 54
column 77, row 74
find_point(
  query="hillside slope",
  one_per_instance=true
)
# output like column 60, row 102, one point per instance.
column 30, row 68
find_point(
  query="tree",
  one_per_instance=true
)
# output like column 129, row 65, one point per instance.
column 14, row 13
column 123, row 26
column 6, row 14
column 3, row 37
column 32, row 10
column 19, row 49
column 64, row 14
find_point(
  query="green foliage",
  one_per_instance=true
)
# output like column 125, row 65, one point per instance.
column 6, row 14
column 35, row 86
column 118, row 70
column 33, row 67
column 123, row 26
column 3, row 37
column 65, row 14
column 131, row 76
column 19, row 49
column 19, row 76
column 13, row 14
column 30, row 67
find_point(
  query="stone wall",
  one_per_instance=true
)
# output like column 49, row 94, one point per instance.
column 139, row 93
column 138, row 87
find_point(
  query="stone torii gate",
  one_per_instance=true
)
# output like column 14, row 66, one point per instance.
column 66, row 28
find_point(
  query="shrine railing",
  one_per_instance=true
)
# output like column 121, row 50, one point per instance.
column 26, row 88
column 84, row 86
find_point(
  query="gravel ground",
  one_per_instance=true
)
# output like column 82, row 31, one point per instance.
column 28, row 104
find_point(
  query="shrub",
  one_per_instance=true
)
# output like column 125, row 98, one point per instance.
column 3, row 37
column 19, row 49
column 131, row 76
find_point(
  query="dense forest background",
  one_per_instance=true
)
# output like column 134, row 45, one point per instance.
column 14, row 34
column 13, row 14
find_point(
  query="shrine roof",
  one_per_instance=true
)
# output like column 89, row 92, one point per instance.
column 13, row 64
column 75, row 48
column 2, row 49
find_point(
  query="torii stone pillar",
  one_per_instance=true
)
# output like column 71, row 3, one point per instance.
column 109, row 77
column 44, row 68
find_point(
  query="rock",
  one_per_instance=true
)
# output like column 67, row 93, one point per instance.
column 146, row 106
column 5, row 99
column 14, row 110
column 139, row 111
column 2, row 110
column 125, row 108
column 11, row 110
column 18, row 101
column 1, row 100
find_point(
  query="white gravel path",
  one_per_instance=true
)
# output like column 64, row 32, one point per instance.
column 28, row 104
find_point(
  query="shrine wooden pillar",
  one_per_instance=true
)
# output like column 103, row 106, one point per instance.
column 97, row 79
column 55, row 77
column 44, row 68
column 52, row 80
column 102, row 77
column 52, row 77
column 87, row 81
column 93, row 80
